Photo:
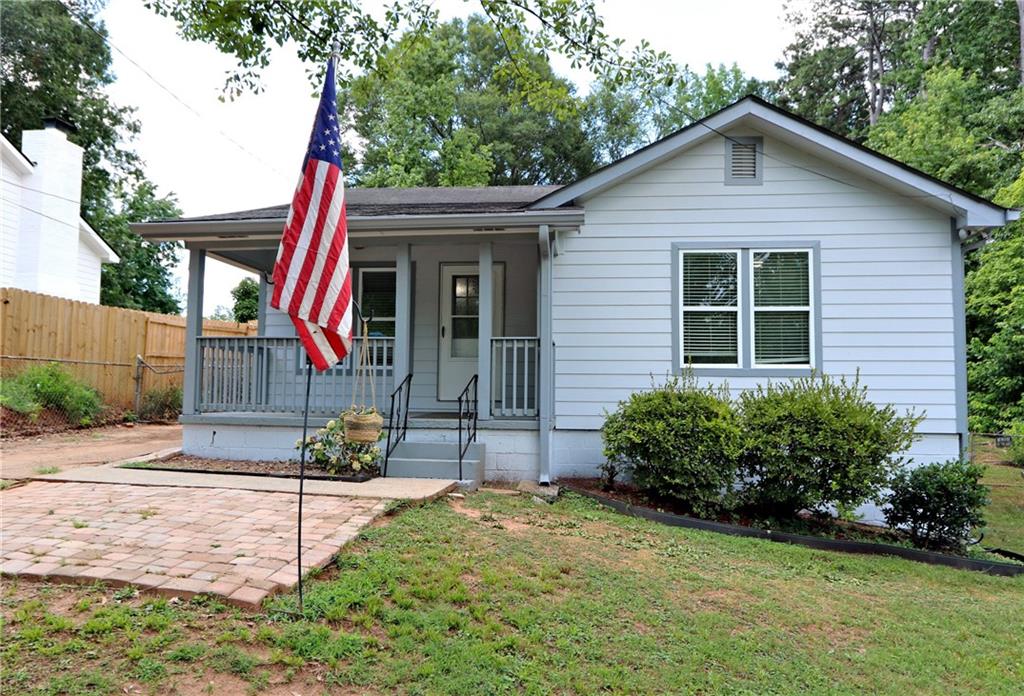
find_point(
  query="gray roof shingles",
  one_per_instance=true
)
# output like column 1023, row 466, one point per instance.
column 370, row 202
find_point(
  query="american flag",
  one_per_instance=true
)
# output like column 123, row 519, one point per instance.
column 312, row 278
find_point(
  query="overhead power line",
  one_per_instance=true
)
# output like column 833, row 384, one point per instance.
column 88, row 24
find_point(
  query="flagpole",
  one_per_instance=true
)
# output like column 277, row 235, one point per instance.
column 302, row 469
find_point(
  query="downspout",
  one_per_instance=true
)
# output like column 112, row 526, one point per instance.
column 959, row 235
column 546, row 391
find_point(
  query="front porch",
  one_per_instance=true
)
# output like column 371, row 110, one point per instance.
column 454, row 353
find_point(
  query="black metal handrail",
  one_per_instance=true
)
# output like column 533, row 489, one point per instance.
column 398, row 413
column 467, row 414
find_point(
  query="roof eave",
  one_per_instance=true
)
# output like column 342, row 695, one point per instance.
column 203, row 230
column 973, row 212
column 99, row 245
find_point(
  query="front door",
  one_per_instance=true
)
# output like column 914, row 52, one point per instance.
column 458, row 334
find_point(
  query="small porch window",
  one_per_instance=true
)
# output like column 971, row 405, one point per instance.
column 377, row 299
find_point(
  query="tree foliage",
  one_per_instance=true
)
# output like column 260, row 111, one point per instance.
column 246, row 296
column 53, row 64
column 143, row 278
column 445, row 110
column 572, row 28
column 851, row 61
column 624, row 117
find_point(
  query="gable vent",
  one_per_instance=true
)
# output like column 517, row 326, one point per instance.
column 743, row 161
column 743, row 164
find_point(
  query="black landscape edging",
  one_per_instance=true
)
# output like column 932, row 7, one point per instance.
column 361, row 478
column 821, row 543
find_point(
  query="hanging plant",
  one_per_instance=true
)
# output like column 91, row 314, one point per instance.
column 362, row 425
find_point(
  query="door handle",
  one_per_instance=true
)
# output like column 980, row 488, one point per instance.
column 442, row 331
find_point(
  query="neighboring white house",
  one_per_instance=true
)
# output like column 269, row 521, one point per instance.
column 45, row 245
column 752, row 246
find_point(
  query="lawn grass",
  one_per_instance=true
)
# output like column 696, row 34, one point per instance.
column 1004, row 516
column 499, row 594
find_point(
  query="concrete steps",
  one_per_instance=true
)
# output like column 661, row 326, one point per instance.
column 438, row 460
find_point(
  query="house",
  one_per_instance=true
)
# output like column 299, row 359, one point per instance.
column 45, row 245
column 750, row 246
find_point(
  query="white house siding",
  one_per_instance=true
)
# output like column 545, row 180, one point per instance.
column 88, row 274
column 10, row 224
column 886, row 276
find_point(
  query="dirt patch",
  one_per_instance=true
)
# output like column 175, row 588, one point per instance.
column 186, row 462
column 22, row 457
column 19, row 425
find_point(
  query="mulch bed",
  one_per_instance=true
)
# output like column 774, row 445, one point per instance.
column 290, row 469
column 805, row 524
column 14, row 425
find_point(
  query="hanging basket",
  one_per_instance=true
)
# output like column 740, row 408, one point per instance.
column 363, row 428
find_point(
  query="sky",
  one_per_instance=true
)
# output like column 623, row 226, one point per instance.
column 218, row 155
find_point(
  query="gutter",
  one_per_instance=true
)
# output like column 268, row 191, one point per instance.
column 359, row 225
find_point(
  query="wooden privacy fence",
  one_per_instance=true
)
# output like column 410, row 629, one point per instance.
column 99, row 345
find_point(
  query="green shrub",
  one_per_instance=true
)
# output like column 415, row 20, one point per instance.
column 161, row 404
column 51, row 386
column 679, row 441
column 18, row 395
column 1016, row 449
column 817, row 441
column 938, row 504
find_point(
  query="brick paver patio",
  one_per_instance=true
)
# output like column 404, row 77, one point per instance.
column 237, row 544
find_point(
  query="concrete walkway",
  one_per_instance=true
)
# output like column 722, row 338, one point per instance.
column 393, row 488
column 23, row 457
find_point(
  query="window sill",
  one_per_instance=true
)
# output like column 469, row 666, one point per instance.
column 750, row 371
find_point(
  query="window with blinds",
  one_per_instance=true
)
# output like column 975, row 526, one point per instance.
column 709, row 295
column 377, row 299
column 782, row 307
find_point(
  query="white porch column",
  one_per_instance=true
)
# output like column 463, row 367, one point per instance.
column 486, row 328
column 546, row 347
column 402, row 358
column 193, row 330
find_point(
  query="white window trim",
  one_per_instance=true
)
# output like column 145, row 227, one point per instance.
column 683, row 309
column 810, row 308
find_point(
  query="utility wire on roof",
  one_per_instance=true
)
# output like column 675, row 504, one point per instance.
column 86, row 23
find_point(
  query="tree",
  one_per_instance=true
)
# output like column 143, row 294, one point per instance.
column 572, row 28
column 851, row 61
column 995, row 320
column 952, row 131
column 143, row 278
column 54, row 64
column 445, row 111
column 247, row 300
column 623, row 118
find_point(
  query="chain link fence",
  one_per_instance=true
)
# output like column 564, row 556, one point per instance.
column 44, row 395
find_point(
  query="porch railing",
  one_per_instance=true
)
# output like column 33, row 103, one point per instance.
column 514, row 376
column 267, row 375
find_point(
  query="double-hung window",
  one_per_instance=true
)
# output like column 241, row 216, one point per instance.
column 781, row 306
column 710, row 308
column 746, row 307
